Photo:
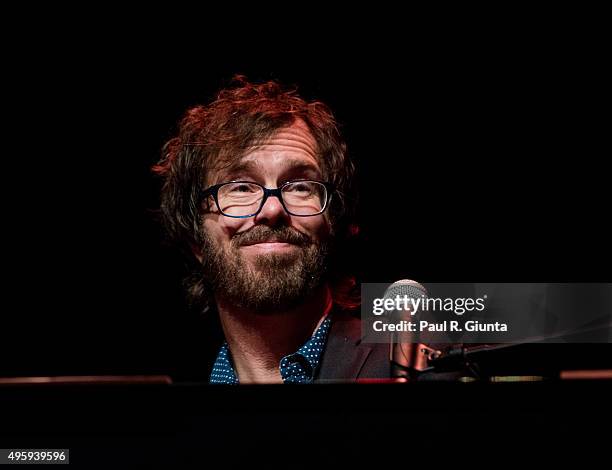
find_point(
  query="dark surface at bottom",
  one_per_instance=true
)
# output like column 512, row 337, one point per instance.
column 302, row 426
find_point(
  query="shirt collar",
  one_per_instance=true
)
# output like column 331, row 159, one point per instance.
column 299, row 367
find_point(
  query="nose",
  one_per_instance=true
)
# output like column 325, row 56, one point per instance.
column 272, row 212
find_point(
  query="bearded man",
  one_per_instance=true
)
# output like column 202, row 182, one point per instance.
column 258, row 190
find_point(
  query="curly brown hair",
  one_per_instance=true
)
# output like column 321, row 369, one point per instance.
column 242, row 116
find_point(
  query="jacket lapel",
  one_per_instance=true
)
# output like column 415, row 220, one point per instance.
column 345, row 354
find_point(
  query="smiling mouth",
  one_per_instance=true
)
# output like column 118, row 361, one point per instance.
column 271, row 241
column 270, row 245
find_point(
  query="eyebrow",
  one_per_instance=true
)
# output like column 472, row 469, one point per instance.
column 289, row 166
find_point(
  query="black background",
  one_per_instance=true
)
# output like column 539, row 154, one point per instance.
column 479, row 160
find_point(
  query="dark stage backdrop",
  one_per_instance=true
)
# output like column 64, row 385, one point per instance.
column 479, row 164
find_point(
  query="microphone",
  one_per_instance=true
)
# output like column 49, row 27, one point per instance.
column 408, row 357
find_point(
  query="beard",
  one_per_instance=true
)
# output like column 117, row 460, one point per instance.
column 267, row 282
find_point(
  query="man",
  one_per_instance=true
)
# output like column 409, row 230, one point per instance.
column 258, row 189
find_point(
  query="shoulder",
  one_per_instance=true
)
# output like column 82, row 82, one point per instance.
column 346, row 356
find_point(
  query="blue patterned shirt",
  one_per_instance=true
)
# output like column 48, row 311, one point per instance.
column 298, row 367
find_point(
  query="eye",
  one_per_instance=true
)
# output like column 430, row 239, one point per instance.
column 243, row 188
column 299, row 186
column 246, row 188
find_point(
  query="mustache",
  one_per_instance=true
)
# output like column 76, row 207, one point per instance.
column 263, row 233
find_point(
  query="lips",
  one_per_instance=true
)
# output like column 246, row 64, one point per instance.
column 269, row 240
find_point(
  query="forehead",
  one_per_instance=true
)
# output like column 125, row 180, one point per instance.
column 289, row 149
column 294, row 139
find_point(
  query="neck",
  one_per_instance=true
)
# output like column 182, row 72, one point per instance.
column 258, row 341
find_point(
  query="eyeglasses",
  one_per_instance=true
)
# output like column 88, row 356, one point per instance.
column 241, row 199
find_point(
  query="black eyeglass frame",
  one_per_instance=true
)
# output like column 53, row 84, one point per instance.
column 277, row 192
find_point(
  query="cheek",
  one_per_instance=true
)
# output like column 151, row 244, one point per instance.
column 220, row 228
column 317, row 227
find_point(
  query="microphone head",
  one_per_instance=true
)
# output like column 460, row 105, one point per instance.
column 405, row 287
column 405, row 348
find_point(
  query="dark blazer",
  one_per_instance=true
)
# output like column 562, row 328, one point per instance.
column 346, row 357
